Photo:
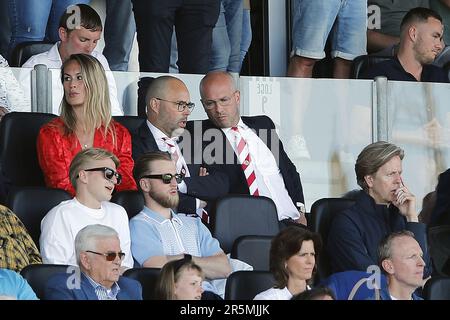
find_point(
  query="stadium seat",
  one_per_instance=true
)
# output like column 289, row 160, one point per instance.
column 129, row 122
column 241, row 215
column 147, row 277
column 132, row 201
column 18, row 156
column 361, row 64
column 31, row 204
column 254, row 250
column 25, row 50
column 437, row 288
column 245, row 285
column 439, row 244
column 322, row 213
column 37, row 275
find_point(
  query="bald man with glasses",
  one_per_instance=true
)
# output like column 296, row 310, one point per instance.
column 99, row 256
column 93, row 174
column 168, row 107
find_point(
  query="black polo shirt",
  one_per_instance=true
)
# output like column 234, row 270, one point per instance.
column 393, row 70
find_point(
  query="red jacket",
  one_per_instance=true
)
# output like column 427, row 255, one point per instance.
column 56, row 150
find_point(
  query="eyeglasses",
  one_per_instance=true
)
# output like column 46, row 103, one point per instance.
column 110, row 256
column 166, row 177
column 223, row 102
column 181, row 105
column 109, row 173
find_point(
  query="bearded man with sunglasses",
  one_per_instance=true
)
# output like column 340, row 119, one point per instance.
column 159, row 235
column 168, row 108
column 99, row 256
column 93, row 174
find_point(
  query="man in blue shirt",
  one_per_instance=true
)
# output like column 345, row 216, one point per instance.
column 14, row 287
column 159, row 235
column 421, row 33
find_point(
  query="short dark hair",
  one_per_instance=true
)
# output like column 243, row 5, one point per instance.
column 286, row 244
column 418, row 14
column 314, row 294
column 142, row 166
column 89, row 18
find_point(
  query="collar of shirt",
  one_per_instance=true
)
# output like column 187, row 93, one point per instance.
column 112, row 293
column 160, row 136
column 160, row 219
column 241, row 126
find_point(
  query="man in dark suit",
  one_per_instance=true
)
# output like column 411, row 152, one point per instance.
column 99, row 258
column 247, row 149
column 168, row 107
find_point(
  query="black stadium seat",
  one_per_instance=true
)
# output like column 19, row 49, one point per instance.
column 132, row 201
column 147, row 277
column 25, row 50
column 245, row 285
column 361, row 64
column 37, row 275
column 129, row 122
column 254, row 250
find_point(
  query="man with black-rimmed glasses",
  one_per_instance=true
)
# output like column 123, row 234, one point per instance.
column 159, row 235
column 93, row 174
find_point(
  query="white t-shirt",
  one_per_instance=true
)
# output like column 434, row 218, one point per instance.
column 61, row 224
column 52, row 60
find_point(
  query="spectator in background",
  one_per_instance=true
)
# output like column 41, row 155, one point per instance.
column 17, row 248
column 293, row 255
column 14, row 287
column 12, row 97
column 119, row 33
column 94, row 176
column 180, row 280
column 99, row 256
column 85, row 122
column 421, row 33
column 246, row 39
column 401, row 259
column 32, row 20
column 385, row 206
column 193, row 23
column 159, row 235
column 77, row 36
column 314, row 21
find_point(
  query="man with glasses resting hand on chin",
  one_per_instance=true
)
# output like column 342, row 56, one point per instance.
column 159, row 235
column 99, row 256
column 93, row 174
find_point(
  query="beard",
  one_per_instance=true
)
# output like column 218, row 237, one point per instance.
column 165, row 200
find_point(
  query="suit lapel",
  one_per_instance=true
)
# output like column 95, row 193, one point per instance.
column 147, row 137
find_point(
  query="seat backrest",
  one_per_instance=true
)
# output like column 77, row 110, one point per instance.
column 254, row 250
column 147, row 277
column 322, row 213
column 18, row 156
column 439, row 244
column 25, row 50
column 130, row 122
column 132, row 201
column 361, row 64
column 241, row 215
column 37, row 275
column 437, row 288
column 31, row 204
column 245, row 285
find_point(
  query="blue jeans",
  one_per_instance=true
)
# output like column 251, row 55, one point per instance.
column 119, row 33
column 226, row 44
column 246, row 39
column 33, row 20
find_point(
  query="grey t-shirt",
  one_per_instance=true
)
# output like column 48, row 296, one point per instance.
column 393, row 11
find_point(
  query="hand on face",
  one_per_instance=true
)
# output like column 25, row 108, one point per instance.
column 405, row 201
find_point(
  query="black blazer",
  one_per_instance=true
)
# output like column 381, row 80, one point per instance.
column 214, row 141
column 207, row 188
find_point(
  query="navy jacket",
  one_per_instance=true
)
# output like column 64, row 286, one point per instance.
column 441, row 212
column 356, row 232
column 207, row 188
column 57, row 289
column 214, row 142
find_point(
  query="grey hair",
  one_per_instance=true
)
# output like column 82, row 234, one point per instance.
column 86, row 238
column 385, row 246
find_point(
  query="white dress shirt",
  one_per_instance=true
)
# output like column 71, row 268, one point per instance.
column 52, row 60
column 268, row 176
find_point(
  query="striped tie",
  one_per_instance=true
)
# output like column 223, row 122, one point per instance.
column 172, row 149
column 246, row 162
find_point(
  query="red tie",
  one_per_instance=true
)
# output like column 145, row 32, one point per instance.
column 246, row 162
column 172, row 149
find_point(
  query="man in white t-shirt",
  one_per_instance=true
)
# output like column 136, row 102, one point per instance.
column 78, row 35
column 93, row 173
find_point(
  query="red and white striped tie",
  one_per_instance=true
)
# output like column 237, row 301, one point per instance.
column 172, row 149
column 246, row 162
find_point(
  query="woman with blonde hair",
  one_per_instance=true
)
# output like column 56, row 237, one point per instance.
column 85, row 121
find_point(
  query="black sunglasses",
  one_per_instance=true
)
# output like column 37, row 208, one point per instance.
column 109, row 173
column 110, row 256
column 166, row 177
